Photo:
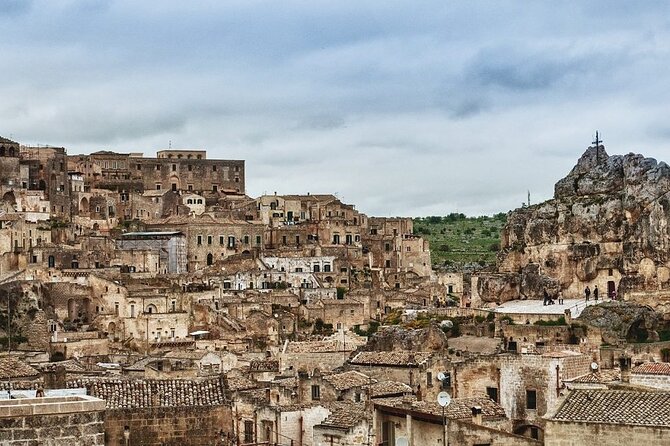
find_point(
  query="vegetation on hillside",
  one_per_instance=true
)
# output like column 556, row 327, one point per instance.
column 457, row 241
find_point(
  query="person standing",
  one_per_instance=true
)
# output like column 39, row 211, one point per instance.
column 595, row 293
column 587, row 292
column 560, row 297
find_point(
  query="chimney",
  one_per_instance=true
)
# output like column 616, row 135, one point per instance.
column 624, row 363
column 476, row 415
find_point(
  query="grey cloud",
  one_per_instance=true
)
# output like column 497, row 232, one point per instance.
column 15, row 7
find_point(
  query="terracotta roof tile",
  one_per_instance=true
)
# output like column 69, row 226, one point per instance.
column 394, row 358
column 616, row 407
column 13, row 368
column 344, row 415
column 389, row 388
column 653, row 368
column 599, row 377
column 458, row 409
column 138, row 393
column 347, row 380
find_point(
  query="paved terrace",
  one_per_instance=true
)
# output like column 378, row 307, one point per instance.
column 535, row 306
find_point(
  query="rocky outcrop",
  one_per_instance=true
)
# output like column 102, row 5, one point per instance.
column 394, row 337
column 622, row 321
column 607, row 225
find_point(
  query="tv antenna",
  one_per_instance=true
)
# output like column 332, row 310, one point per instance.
column 443, row 399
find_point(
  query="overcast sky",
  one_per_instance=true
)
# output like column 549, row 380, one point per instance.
column 406, row 108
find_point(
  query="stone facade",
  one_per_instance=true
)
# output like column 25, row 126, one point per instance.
column 168, row 426
column 53, row 421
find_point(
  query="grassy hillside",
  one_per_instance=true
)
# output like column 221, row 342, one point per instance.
column 457, row 240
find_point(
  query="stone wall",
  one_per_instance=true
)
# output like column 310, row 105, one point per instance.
column 561, row 433
column 469, row 434
column 60, row 421
column 168, row 426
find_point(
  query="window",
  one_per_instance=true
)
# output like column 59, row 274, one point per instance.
column 316, row 392
column 158, row 186
column 248, row 431
column 246, row 239
column 534, row 433
column 214, row 168
column 258, row 239
column 199, row 240
column 326, row 267
column 531, row 399
column 387, row 246
column 222, row 240
column 209, row 239
column 317, row 268
column 429, row 379
column 373, row 231
column 231, row 241
column 450, row 288
column 190, row 187
column 215, row 188
column 139, row 167
column 336, row 239
column 387, row 264
column 174, row 187
column 158, row 167
column 492, row 392
column 174, row 167
column 190, row 167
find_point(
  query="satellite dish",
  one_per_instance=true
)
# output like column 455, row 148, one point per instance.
column 441, row 376
column 401, row 441
column 443, row 399
column 447, row 323
column 594, row 366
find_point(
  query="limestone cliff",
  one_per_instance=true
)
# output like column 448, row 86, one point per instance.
column 607, row 225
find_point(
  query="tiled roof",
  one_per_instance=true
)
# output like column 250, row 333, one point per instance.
column 599, row 377
column 653, row 368
column 267, row 365
column 236, row 383
column 71, row 366
column 138, row 393
column 389, row 388
column 344, row 415
column 11, row 367
column 394, row 358
column 616, row 407
column 347, row 380
column 458, row 409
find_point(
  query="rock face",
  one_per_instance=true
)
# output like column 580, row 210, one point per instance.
column 397, row 338
column 607, row 225
column 622, row 320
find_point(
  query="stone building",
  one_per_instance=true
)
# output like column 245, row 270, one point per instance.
column 469, row 422
column 609, row 418
column 210, row 239
column 157, row 252
column 393, row 247
column 155, row 412
column 172, row 170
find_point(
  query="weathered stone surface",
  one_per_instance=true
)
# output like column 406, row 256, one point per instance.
column 622, row 320
column 607, row 225
column 397, row 338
